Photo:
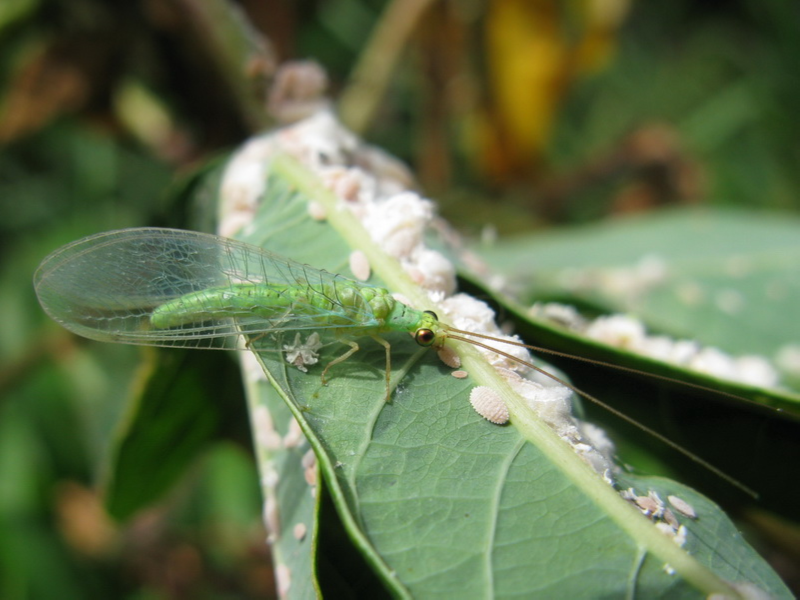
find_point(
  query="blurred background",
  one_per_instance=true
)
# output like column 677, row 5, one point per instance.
column 521, row 115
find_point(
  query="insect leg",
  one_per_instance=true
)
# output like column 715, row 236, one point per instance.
column 274, row 323
column 388, row 347
column 353, row 349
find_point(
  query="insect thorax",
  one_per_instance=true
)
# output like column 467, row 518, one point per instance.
column 364, row 302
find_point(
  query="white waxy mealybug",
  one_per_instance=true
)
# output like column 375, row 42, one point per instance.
column 683, row 507
column 283, row 578
column 460, row 374
column 670, row 519
column 294, row 436
column 310, row 475
column 300, row 353
column 265, row 433
column 449, row 357
column 270, row 516
column 309, row 464
column 359, row 265
column 488, row 404
column 299, row 531
column 317, row 211
column 677, row 536
column 647, row 505
column 680, row 536
column 659, row 512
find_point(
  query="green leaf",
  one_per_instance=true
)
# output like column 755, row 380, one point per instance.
column 176, row 413
column 437, row 500
column 290, row 505
column 730, row 278
column 720, row 253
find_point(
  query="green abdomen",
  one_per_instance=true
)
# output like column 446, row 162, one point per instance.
column 337, row 305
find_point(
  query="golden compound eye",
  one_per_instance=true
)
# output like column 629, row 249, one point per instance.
column 431, row 313
column 424, row 337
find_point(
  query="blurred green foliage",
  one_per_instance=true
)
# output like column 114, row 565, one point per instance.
column 104, row 107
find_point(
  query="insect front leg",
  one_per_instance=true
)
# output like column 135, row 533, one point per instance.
column 388, row 347
column 353, row 349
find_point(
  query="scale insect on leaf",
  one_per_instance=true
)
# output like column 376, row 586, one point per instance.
column 176, row 288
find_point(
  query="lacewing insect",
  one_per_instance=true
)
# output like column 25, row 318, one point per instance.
column 169, row 287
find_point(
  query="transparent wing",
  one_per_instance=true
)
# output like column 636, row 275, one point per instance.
column 106, row 287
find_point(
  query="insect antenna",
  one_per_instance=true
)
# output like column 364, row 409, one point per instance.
column 458, row 335
column 609, row 365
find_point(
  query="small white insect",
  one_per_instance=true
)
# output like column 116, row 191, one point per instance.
column 488, row 404
column 309, row 464
column 460, row 374
column 317, row 211
column 608, row 478
column 682, row 506
column 310, row 475
column 300, row 353
column 449, row 357
column 670, row 519
column 294, row 436
column 271, row 517
column 299, row 531
column 647, row 505
column 660, row 507
column 265, row 433
column 359, row 265
column 680, row 536
column 651, row 505
column 283, row 577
